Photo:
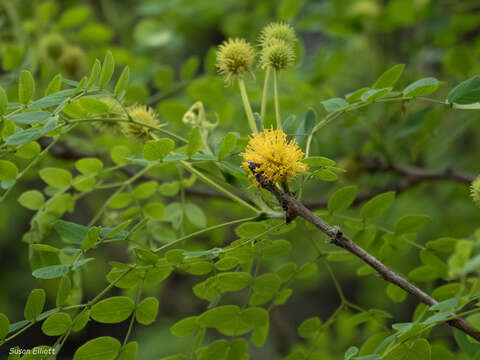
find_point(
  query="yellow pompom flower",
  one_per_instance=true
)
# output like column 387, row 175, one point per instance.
column 271, row 155
column 277, row 31
column 234, row 58
column 475, row 190
column 144, row 115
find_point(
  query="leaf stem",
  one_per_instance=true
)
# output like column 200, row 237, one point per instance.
column 265, row 94
column 246, row 105
column 220, row 188
column 199, row 232
column 275, row 96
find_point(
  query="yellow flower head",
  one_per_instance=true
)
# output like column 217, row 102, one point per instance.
column 273, row 156
column 278, row 55
column 475, row 190
column 234, row 58
column 277, row 31
column 144, row 115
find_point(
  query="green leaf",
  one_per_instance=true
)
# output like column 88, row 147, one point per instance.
column 23, row 136
column 32, row 117
column 3, row 101
column 445, row 244
column 146, row 312
column 185, row 326
column 122, row 82
column 226, row 263
column 421, row 87
column 4, row 326
column 55, row 177
column 467, row 92
column 309, row 327
column 377, row 205
column 155, row 150
column 264, row 288
column 35, row 304
column 108, row 67
column 325, row 175
column 129, row 352
column 57, row 324
column 374, row 94
column 423, row 273
column 356, row 95
column 145, row 190
column 418, row 349
column 194, row 142
column 288, row 9
column 307, row 270
column 112, row 310
column 335, row 104
column 8, row 170
column 90, row 240
column 70, row 231
column 29, row 151
column 64, row 287
column 342, row 198
column 81, row 320
column 94, row 72
column 395, row 293
column 195, row 215
column 26, row 87
column 389, row 77
column 89, row 165
column 54, row 85
column 318, row 161
column 411, row 224
column 51, row 272
column 155, row 210
column 471, row 349
column 93, row 105
column 120, row 200
column 219, row 315
column 101, row 348
column 228, row 143
column 189, row 68
column 197, row 268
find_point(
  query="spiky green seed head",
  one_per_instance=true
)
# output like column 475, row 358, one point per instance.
column 144, row 115
column 278, row 55
column 234, row 58
column 277, row 31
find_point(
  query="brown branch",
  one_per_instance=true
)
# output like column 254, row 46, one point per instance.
column 294, row 208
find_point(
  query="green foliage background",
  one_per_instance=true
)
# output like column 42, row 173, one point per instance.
column 169, row 47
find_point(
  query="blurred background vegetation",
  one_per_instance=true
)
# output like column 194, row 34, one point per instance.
column 344, row 45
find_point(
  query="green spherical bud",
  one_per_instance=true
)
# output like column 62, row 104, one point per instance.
column 52, row 46
column 234, row 58
column 278, row 55
column 278, row 31
column 73, row 61
column 475, row 190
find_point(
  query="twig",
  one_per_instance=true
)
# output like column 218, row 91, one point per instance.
column 294, row 208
